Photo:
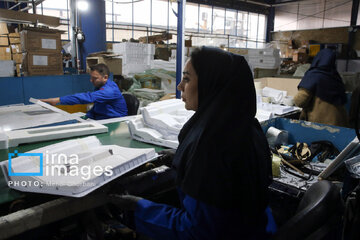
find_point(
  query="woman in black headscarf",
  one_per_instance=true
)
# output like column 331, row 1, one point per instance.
column 321, row 92
column 222, row 164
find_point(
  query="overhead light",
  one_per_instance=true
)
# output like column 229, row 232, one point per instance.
column 82, row 5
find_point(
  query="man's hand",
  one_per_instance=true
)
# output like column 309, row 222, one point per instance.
column 52, row 101
column 124, row 202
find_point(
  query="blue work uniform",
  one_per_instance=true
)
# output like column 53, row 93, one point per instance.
column 197, row 220
column 108, row 101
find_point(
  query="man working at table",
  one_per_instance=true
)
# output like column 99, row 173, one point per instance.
column 107, row 98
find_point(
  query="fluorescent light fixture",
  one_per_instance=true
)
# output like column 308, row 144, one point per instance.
column 83, row 5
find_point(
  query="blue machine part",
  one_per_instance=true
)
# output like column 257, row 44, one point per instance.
column 308, row 132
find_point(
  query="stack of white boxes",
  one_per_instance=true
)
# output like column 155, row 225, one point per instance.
column 268, row 58
column 136, row 57
column 161, row 64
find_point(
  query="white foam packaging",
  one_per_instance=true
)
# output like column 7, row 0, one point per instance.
column 160, row 122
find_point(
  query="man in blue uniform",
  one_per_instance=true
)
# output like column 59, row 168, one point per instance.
column 107, row 98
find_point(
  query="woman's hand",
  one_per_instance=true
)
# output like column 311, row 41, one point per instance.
column 124, row 202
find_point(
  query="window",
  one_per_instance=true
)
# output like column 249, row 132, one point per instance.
column 191, row 17
column 142, row 12
column 206, row 24
column 173, row 8
column 205, row 18
column 160, row 13
column 253, row 26
column 122, row 12
column 230, row 22
column 109, row 11
column 218, row 21
column 242, row 24
column 262, row 28
column 56, row 8
column 312, row 15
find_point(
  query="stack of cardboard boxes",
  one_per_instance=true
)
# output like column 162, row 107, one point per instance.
column 297, row 54
column 41, row 51
column 34, row 51
column 111, row 60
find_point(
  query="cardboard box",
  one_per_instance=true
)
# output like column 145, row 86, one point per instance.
column 14, row 35
column 5, row 53
column 162, row 53
column 289, row 53
column 112, row 61
column 306, row 43
column 262, row 72
column 4, row 41
column 291, row 44
column 3, row 28
column 284, row 84
column 42, row 63
column 302, row 50
column 14, row 40
column 40, row 40
column 188, row 43
column 15, row 48
column 299, row 57
column 17, row 57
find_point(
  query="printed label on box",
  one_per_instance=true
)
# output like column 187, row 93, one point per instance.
column 48, row 43
column 8, row 50
column 40, row 60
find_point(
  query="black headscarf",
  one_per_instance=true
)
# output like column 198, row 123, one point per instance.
column 323, row 80
column 223, row 157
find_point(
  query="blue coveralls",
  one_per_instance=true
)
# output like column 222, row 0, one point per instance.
column 197, row 220
column 108, row 101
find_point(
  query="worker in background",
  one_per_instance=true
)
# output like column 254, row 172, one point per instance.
column 107, row 98
column 67, row 63
column 321, row 92
column 222, row 164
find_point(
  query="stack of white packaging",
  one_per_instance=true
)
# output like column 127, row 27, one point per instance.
column 268, row 58
column 161, row 64
column 160, row 123
column 136, row 57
